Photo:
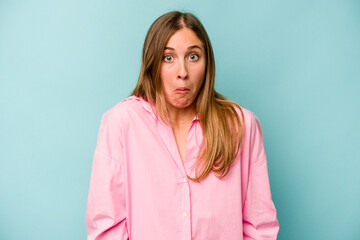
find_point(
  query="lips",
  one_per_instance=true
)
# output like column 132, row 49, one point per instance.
column 182, row 90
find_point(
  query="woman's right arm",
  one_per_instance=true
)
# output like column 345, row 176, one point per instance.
column 106, row 207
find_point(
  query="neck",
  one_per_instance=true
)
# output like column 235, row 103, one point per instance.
column 180, row 117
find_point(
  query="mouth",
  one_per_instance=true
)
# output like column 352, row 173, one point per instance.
column 182, row 90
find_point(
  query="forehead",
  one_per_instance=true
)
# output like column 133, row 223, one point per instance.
column 184, row 37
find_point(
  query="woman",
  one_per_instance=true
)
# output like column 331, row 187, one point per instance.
column 176, row 160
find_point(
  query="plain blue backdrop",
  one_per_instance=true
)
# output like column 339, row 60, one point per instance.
column 295, row 64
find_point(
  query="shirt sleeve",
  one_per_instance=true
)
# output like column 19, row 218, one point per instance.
column 259, row 213
column 106, row 207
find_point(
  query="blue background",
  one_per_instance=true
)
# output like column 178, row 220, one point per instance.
column 295, row 64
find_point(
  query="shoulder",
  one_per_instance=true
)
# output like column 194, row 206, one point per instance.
column 251, row 122
column 253, row 134
column 121, row 113
column 125, row 106
column 247, row 116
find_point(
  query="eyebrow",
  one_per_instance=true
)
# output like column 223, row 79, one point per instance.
column 189, row 48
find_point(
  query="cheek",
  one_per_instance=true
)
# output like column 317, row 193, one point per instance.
column 165, row 77
column 199, row 76
column 200, row 68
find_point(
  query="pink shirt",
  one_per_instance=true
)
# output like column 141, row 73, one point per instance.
column 139, row 190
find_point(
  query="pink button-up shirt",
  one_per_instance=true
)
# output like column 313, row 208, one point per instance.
column 139, row 189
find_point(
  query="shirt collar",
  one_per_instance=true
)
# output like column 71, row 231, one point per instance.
column 196, row 118
column 152, row 109
column 145, row 105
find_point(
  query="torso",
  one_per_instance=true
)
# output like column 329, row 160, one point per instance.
column 151, row 171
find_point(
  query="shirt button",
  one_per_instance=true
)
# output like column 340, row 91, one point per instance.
column 185, row 179
column 185, row 214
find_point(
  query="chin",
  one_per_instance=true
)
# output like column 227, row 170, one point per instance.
column 180, row 102
column 184, row 101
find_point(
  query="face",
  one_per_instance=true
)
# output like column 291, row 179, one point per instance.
column 182, row 69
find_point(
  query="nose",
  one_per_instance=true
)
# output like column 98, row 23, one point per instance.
column 182, row 71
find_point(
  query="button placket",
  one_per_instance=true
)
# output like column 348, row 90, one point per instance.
column 185, row 209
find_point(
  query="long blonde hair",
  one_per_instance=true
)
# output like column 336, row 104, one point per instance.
column 221, row 125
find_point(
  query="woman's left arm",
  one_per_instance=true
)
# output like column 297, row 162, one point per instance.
column 259, row 213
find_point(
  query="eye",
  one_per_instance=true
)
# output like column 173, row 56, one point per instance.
column 168, row 58
column 193, row 56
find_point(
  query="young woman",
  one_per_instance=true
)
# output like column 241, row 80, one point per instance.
column 176, row 160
